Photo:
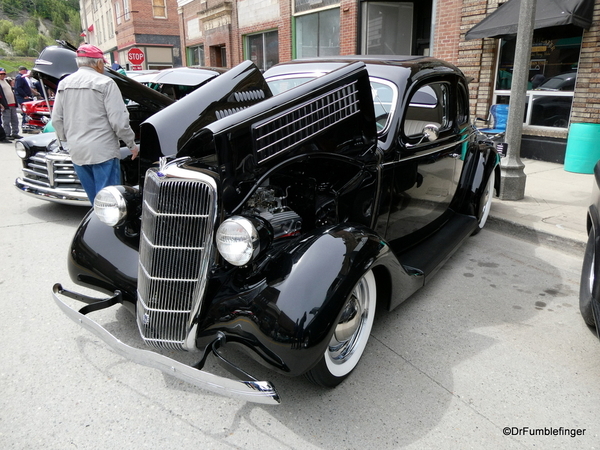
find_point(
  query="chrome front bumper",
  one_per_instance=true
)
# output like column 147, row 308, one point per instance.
column 252, row 391
column 67, row 197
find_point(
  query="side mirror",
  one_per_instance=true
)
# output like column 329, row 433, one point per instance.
column 431, row 132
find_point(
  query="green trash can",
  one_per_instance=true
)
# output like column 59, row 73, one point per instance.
column 583, row 147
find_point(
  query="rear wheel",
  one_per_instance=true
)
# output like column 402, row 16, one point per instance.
column 350, row 336
column 588, row 280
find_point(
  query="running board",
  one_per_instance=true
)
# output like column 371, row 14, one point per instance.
column 428, row 256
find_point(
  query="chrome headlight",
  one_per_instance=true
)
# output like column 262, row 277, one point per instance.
column 22, row 150
column 240, row 239
column 110, row 206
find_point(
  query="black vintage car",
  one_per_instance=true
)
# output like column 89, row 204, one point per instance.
column 589, row 287
column 282, row 221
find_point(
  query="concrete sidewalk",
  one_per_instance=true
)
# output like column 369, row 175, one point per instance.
column 553, row 211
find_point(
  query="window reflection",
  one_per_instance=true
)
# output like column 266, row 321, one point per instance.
column 552, row 75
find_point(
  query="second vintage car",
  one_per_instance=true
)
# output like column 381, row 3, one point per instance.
column 296, row 203
column 48, row 172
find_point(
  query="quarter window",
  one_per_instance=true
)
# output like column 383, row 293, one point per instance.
column 385, row 95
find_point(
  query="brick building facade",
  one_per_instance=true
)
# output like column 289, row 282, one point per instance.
column 479, row 59
column 117, row 26
column 226, row 32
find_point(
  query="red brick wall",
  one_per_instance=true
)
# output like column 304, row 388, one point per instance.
column 145, row 23
column 142, row 21
column 233, row 37
column 284, row 32
column 349, row 27
column 447, row 30
column 477, row 58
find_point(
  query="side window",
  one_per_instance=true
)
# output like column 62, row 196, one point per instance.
column 428, row 105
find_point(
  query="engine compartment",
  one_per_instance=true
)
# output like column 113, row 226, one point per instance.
column 310, row 195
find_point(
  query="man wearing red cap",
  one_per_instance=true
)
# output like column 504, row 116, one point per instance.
column 90, row 117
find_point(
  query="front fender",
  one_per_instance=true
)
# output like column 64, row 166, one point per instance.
column 104, row 258
column 289, row 317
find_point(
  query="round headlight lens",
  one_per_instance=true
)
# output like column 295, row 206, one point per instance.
column 237, row 240
column 22, row 150
column 110, row 206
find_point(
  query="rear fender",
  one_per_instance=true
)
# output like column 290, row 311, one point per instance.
column 480, row 161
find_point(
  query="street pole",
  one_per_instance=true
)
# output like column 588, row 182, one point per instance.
column 512, row 176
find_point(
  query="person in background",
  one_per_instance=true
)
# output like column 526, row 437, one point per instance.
column 3, row 106
column 92, row 133
column 23, row 90
column 117, row 68
column 10, row 120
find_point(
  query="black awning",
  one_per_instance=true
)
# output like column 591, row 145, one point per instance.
column 548, row 13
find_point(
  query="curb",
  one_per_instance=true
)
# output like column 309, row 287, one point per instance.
column 574, row 247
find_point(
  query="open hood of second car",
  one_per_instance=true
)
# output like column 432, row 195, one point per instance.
column 58, row 61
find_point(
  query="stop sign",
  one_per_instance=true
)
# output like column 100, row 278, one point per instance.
column 136, row 56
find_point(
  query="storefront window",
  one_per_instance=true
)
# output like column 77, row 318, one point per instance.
column 307, row 5
column 196, row 55
column 263, row 49
column 387, row 28
column 318, row 34
column 552, row 76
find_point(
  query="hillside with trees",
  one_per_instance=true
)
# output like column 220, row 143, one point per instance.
column 27, row 26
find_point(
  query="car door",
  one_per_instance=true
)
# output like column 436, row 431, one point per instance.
column 425, row 172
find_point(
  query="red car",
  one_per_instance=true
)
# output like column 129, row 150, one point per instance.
column 38, row 114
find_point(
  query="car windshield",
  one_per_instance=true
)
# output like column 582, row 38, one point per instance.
column 384, row 94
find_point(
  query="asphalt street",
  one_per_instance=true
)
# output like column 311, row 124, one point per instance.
column 493, row 353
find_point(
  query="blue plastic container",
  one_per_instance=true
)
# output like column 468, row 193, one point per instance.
column 583, row 147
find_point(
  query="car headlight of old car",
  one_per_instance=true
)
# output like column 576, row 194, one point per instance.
column 110, row 204
column 240, row 239
column 22, row 150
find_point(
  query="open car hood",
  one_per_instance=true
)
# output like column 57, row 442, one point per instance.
column 169, row 131
column 57, row 61
column 237, row 126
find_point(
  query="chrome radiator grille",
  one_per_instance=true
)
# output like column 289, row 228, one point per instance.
column 51, row 170
column 175, row 251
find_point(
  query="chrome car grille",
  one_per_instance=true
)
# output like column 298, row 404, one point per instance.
column 178, row 216
column 52, row 170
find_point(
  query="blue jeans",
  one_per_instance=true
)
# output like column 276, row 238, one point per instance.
column 94, row 177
